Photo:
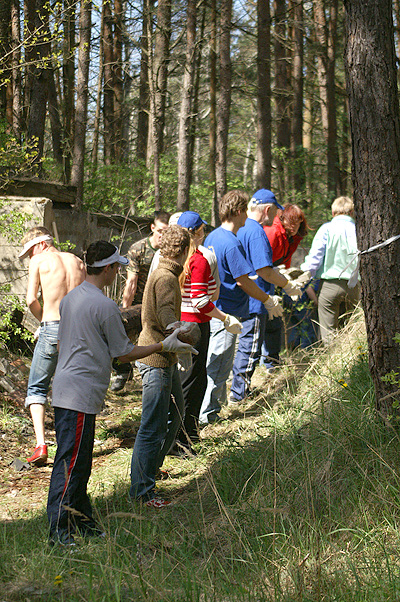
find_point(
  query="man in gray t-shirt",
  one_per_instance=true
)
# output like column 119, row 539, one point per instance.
column 91, row 334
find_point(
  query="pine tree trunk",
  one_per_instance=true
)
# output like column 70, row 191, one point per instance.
column 263, row 95
column 55, row 120
column 96, row 126
column 6, row 64
column 144, row 106
column 40, row 83
column 108, row 92
column 375, row 126
column 224, row 99
column 281, row 92
column 118, row 80
column 185, row 116
column 213, row 111
column 77, row 175
column 16, row 70
column 68, row 85
column 298, row 86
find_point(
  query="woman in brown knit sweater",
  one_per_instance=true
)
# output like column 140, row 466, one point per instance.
column 162, row 400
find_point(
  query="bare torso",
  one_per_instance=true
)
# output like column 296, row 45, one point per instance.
column 56, row 273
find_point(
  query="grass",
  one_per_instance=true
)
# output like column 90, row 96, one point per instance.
column 296, row 497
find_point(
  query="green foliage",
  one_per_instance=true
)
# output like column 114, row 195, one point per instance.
column 15, row 159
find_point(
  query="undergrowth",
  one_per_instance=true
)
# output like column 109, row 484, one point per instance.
column 295, row 498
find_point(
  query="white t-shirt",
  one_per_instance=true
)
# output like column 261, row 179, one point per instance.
column 91, row 333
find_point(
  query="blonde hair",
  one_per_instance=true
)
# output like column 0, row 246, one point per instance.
column 343, row 205
column 192, row 250
column 35, row 232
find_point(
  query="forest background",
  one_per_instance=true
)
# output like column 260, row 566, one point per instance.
column 144, row 104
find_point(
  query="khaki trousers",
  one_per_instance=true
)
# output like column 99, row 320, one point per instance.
column 335, row 300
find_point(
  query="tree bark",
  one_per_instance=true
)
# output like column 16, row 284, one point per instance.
column 55, row 120
column 40, row 83
column 144, row 107
column 68, row 85
column 185, row 116
column 213, row 111
column 281, row 92
column 77, row 176
column 298, row 87
column 263, row 95
column 6, row 63
column 375, row 126
column 96, row 126
column 118, row 80
column 16, row 70
column 326, row 31
column 108, row 92
column 224, row 99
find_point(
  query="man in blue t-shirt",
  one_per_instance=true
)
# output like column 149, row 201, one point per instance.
column 262, row 210
column 236, row 287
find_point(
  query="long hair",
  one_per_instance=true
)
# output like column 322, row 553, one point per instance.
column 291, row 214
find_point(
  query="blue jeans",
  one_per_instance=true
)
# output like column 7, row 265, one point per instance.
column 221, row 351
column 44, row 363
column 248, row 355
column 272, row 343
column 162, row 415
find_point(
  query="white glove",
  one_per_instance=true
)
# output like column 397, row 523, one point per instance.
column 303, row 279
column 292, row 289
column 273, row 307
column 232, row 324
column 185, row 361
column 173, row 345
column 173, row 326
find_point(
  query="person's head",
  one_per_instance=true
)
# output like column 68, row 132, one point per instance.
column 233, row 204
column 102, row 257
column 194, row 224
column 343, row 205
column 35, row 241
column 263, row 207
column 175, row 243
column 159, row 224
column 173, row 220
column 293, row 220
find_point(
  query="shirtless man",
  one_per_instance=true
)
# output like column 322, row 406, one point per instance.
column 56, row 274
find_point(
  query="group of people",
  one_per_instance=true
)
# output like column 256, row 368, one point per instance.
column 226, row 285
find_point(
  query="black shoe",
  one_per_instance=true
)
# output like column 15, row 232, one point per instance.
column 62, row 538
column 118, row 383
column 89, row 528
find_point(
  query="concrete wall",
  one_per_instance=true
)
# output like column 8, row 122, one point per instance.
column 66, row 225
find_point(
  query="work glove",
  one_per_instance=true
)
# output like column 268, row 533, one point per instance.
column 185, row 361
column 292, row 289
column 173, row 345
column 303, row 279
column 232, row 324
column 273, row 307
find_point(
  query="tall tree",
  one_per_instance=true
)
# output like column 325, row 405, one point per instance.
column 16, row 69
column 6, row 62
column 108, row 90
column 213, row 111
column 118, row 79
column 40, row 81
column 263, row 95
column 298, row 94
column 281, row 91
column 143, row 106
column 77, row 175
column 326, row 32
column 185, row 116
column 224, row 97
column 68, row 80
column 375, row 127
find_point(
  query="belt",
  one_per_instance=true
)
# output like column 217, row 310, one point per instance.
column 49, row 323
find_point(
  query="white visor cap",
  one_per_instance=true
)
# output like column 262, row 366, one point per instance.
column 31, row 243
column 114, row 258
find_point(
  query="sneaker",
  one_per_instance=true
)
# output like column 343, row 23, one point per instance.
column 118, row 383
column 62, row 538
column 39, row 456
column 156, row 502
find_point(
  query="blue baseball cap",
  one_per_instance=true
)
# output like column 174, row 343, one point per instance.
column 265, row 197
column 190, row 220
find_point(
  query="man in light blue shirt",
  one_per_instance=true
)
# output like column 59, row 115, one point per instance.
column 332, row 258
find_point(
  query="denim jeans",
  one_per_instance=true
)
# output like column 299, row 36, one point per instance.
column 162, row 415
column 248, row 355
column 221, row 351
column 271, row 346
column 44, row 364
